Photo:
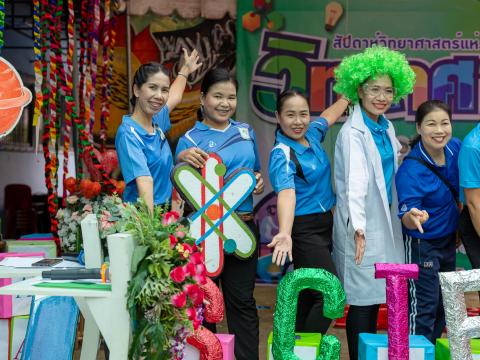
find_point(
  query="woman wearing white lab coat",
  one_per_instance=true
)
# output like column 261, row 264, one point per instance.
column 366, row 226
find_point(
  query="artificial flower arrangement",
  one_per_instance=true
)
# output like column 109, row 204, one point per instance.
column 165, row 298
column 89, row 197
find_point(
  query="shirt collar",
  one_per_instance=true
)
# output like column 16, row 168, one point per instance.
column 378, row 127
column 201, row 126
column 127, row 119
column 297, row 147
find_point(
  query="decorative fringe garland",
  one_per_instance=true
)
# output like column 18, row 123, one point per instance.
column 93, row 61
column 47, row 28
column 2, row 21
column 105, row 70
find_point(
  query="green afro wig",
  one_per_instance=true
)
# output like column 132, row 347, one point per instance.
column 376, row 61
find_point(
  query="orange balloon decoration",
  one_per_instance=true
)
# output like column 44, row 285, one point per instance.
column 13, row 97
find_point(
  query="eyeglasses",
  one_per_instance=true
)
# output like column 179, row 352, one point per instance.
column 376, row 91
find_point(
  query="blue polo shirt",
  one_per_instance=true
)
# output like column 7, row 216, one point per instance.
column 314, row 194
column 418, row 187
column 384, row 146
column 143, row 154
column 236, row 146
column 469, row 162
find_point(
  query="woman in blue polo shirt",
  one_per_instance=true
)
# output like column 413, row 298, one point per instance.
column 427, row 188
column 216, row 132
column 143, row 150
column 300, row 174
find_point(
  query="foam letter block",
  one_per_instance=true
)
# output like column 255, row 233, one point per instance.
column 14, row 305
column 307, row 345
column 375, row 347
column 12, row 335
column 442, row 349
column 228, row 345
column 18, row 330
column 46, row 247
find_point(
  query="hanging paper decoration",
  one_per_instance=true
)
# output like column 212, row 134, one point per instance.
column 93, row 62
column 13, row 97
column 286, row 310
column 2, row 21
column 51, row 59
column 252, row 20
column 397, row 302
column 460, row 327
column 215, row 224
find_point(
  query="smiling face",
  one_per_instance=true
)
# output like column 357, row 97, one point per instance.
column 153, row 94
column 435, row 130
column 219, row 103
column 294, row 117
column 377, row 96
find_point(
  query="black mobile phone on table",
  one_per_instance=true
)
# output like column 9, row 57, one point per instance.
column 48, row 262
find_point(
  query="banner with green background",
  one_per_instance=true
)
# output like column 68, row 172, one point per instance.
column 297, row 43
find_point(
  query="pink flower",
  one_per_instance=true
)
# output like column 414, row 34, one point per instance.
column 200, row 279
column 179, row 300
column 72, row 199
column 194, row 293
column 191, row 313
column 170, row 217
column 178, row 274
column 76, row 216
column 106, row 225
column 190, row 269
column 187, row 250
column 173, row 241
column 196, row 258
column 180, row 234
column 196, row 324
column 200, row 269
column 88, row 208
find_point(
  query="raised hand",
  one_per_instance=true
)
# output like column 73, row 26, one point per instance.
column 190, row 62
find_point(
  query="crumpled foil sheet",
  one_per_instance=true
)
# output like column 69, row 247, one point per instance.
column 207, row 343
column 460, row 327
column 214, row 306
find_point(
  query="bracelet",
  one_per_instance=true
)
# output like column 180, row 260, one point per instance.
column 347, row 100
column 182, row 74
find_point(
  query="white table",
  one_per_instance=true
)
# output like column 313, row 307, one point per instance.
column 104, row 311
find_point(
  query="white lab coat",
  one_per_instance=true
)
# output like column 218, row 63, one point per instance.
column 362, row 204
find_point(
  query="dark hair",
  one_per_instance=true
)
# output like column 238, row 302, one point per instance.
column 143, row 73
column 212, row 77
column 287, row 94
column 426, row 108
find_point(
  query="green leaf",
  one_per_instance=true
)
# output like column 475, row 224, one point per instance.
column 138, row 255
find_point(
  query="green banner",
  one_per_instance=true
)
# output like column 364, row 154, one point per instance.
column 297, row 44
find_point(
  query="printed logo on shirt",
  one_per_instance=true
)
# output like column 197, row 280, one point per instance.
column 244, row 133
column 212, row 144
column 404, row 208
column 428, row 264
